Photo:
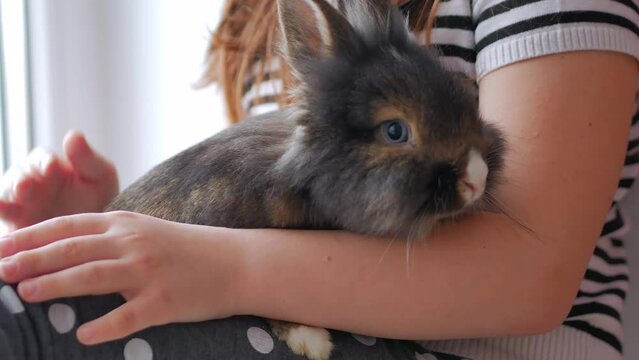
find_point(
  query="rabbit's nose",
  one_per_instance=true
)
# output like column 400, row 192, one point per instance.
column 471, row 187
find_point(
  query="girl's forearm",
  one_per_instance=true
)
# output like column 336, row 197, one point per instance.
column 567, row 124
column 495, row 282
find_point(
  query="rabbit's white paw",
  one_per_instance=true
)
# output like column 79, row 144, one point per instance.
column 314, row 343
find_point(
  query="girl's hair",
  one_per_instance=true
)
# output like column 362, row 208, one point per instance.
column 246, row 39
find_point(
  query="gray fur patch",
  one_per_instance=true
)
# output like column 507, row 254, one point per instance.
column 295, row 154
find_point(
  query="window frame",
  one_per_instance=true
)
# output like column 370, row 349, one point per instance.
column 16, row 119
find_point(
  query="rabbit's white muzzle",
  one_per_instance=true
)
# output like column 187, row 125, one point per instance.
column 472, row 186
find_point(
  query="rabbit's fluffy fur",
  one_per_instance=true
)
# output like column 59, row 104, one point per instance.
column 331, row 160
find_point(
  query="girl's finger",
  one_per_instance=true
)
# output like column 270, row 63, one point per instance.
column 135, row 315
column 49, row 170
column 9, row 212
column 89, row 164
column 46, row 170
column 95, row 278
column 52, row 230
column 58, row 256
column 25, row 189
column 8, row 182
column 39, row 159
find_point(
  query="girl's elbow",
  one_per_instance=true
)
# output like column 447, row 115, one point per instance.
column 545, row 322
column 548, row 311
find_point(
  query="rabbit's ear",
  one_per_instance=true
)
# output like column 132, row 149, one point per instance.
column 372, row 18
column 367, row 15
column 312, row 29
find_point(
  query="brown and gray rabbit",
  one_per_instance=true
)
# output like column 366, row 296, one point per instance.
column 380, row 140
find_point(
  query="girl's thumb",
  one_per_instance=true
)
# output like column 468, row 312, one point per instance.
column 87, row 163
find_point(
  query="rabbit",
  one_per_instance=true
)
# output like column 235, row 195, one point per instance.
column 380, row 139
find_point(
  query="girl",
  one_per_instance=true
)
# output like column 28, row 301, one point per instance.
column 559, row 77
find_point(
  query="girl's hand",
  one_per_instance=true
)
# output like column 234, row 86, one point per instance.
column 50, row 186
column 167, row 272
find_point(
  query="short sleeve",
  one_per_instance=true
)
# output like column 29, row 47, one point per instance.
column 508, row 31
column 261, row 97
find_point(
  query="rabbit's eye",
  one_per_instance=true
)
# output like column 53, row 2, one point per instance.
column 395, row 131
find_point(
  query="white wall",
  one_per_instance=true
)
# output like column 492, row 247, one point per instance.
column 122, row 72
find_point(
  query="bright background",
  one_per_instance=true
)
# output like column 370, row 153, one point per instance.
column 122, row 72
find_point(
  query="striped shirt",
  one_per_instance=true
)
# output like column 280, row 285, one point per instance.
column 478, row 36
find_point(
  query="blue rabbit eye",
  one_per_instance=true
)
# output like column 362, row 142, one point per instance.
column 395, row 131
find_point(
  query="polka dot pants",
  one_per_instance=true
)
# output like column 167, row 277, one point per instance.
column 47, row 331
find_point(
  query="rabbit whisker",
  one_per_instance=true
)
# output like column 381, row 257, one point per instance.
column 504, row 210
column 390, row 243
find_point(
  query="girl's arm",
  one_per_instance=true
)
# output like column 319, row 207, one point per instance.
column 566, row 118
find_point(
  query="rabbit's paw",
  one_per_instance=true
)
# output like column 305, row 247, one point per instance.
column 314, row 343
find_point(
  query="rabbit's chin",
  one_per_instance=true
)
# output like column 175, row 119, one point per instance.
column 426, row 221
